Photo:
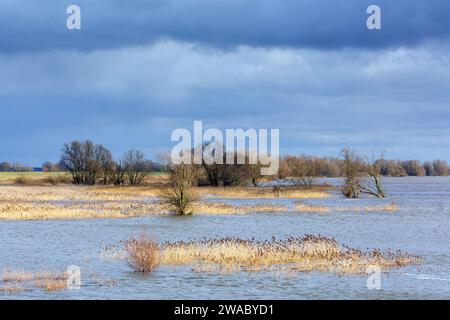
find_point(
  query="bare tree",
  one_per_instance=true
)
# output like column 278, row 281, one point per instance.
column 374, row 186
column 85, row 160
column 441, row 167
column 118, row 174
column 179, row 194
column 303, row 173
column 351, row 170
column 49, row 166
column 429, row 169
column 136, row 168
column 104, row 159
column 413, row 168
column 72, row 160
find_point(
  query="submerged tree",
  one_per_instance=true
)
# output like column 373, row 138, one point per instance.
column 351, row 171
column 179, row 194
column 374, row 186
column 303, row 173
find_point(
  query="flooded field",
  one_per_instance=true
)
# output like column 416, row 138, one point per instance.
column 419, row 225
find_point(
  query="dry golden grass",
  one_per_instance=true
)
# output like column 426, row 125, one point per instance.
column 265, row 192
column 51, row 281
column 51, row 284
column 310, row 208
column 376, row 208
column 306, row 207
column 298, row 254
column 224, row 208
column 12, row 288
column 74, row 202
column 10, row 275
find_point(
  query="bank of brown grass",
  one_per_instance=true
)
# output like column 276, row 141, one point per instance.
column 306, row 207
column 266, row 192
column 392, row 207
column 299, row 254
column 12, row 288
column 10, row 275
column 314, row 208
column 51, row 281
column 207, row 207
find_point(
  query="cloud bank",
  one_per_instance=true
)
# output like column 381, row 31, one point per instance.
column 136, row 71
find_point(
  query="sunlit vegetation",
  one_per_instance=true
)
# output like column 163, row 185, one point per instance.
column 311, row 208
column 308, row 253
column 142, row 253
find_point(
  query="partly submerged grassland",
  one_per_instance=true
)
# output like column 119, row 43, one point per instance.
column 19, row 280
column 314, row 208
column 304, row 254
column 80, row 202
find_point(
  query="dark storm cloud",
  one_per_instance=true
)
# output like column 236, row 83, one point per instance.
column 321, row 100
column 40, row 25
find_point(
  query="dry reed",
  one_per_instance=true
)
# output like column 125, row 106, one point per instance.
column 142, row 253
column 300, row 254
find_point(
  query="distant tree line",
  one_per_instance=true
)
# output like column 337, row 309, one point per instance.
column 14, row 167
column 335, row 167
column 90, row 163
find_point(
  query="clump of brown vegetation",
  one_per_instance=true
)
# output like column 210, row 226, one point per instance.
column 268, row 192
column 10, row 275
column 299, row 254
column 392, row 207
column 12, row 288
column 224, row 208
column 306, row 207
column 142, row 253
column 51, row 281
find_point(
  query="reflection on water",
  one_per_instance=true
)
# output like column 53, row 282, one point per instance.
column 420, row 227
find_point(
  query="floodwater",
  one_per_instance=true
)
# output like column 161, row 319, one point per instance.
column 420, row 227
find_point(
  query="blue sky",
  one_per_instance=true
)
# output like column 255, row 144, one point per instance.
column 139, row 69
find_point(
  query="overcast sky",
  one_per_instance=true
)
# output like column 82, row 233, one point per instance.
column 139, row 69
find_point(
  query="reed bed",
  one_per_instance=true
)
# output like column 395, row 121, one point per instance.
column 392, row 207
column 306, row 207
column 266, row 192
column 12, row 288
column 51, row 281
column 309, row 253
column 224, row 208
column 10, row 275
column 74, row 202
column 312, row 208
column 20, row 280
column 70, row 202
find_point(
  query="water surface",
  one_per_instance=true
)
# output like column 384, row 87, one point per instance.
column 420, row 227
